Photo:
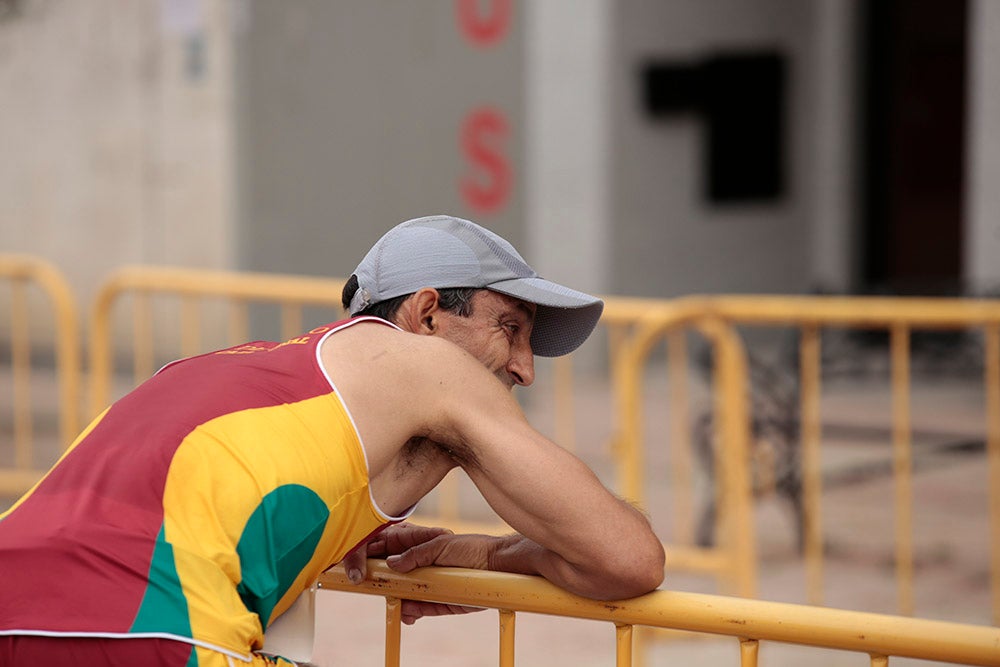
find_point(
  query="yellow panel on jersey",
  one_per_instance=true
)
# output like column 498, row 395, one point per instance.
column 328, row 505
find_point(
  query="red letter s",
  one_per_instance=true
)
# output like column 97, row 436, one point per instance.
column 482, row 129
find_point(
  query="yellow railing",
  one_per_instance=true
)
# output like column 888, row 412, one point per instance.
column 733, row 558
column 718, row 317
column 746, row 621
column 21, row 273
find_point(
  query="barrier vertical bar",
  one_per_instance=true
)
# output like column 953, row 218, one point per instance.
column 565, row 432
column 507, row 621
column 291, row 320
column 100, row 354
column 190, row 327
column 20, row 344
column 626, row 377
column 748, row 652
column 992, row 391
column 238, row 328
column 720, row 451
column 731, row 406
column 393, row 630
column 681, row 468
column 878, row 660
column 902, row 464
column 812, row 484
column 68, row 358
column 142, row 346
column 623, row 645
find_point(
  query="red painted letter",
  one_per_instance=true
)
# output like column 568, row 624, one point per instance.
column 483, row 135
column 483, row 30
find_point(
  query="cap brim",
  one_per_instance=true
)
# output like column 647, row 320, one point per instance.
column 565, row 317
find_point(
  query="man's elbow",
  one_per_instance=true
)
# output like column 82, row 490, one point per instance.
column 648, row 574
column 637, row 573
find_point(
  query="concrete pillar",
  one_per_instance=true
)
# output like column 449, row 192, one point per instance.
column 833, row 203
column 566, row 144
column 982, row 203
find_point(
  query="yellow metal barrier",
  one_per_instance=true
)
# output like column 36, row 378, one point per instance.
column 734, row 557
column 22, row 272
column 718, row 317
column 746, row 621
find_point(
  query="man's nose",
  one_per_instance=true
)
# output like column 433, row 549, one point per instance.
column 522, row 365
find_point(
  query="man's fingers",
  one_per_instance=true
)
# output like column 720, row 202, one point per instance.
column 419, row 556
column 416, row 609
column 446, row 549
column 406, row 536
column 377, row 548
column 398, row 538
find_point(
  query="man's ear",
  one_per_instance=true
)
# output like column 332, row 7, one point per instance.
column 424, row 309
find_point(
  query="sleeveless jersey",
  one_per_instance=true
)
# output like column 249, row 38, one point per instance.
column 196, row 508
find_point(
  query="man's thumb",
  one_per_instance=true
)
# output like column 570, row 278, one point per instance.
column 356, row 565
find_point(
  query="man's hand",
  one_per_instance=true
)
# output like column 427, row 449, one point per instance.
column 395, row 539
column 406, row 546
column 447, row 550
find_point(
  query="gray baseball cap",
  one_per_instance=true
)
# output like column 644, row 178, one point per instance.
column 443, row 251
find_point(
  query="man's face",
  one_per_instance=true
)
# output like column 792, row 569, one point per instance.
column 498, row 333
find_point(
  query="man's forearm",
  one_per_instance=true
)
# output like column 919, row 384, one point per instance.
column 518, row 554
column 614, row 575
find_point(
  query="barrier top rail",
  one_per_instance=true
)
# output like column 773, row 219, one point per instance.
column 189, row 284
column 858, row 311
column 876, row 634
column 240, row 285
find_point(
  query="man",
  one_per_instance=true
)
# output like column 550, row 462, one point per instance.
column 194, row 511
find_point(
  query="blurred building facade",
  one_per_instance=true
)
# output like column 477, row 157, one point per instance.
column 639, row 147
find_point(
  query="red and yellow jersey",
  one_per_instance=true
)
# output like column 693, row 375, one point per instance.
column 197, row 508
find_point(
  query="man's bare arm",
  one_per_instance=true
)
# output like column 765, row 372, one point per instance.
column 573, row 531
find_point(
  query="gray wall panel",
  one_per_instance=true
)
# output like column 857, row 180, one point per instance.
column 350, row 116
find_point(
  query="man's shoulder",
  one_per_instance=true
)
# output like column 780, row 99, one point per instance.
column 373, row 342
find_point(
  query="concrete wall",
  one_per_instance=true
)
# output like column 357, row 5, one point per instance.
column 115, row 128
column 351, row 120
column 667, row 240
column 117, row 125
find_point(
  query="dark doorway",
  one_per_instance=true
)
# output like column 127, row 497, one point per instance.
column 912, row 151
